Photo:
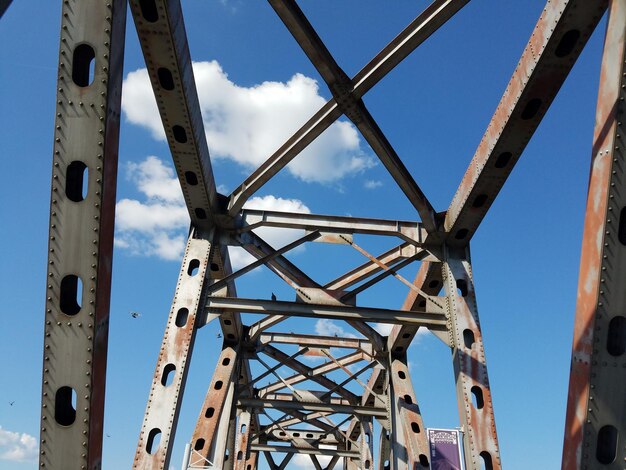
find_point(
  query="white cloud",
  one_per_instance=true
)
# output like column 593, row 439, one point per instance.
column 157, row 226
column 276, row 237
column 325, row 327
column 383, row 328
column 248, row 124
column 17, row 447
column 372, row 184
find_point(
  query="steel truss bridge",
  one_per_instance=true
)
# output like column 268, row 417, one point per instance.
column 235, row 428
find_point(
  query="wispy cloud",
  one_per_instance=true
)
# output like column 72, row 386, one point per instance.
column 248, row 124
column 17, row 447
column 157, row 224
column 372, row 184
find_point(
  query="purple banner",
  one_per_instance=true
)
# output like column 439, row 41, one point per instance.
column 445, row 449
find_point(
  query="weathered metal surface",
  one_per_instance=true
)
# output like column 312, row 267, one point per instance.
column 554, row 46
column 434, row 321
column 410, row 423
column 164, row 44
column 80, row 244
column 159, row 424
column 595, row 429
column 214, row 406
column 242, row 446
column 412, row 232
column 470, row 366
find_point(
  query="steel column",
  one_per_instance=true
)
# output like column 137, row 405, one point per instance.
column 80, row 245
column 595, row 429
column 470, row 366
column 168, row 384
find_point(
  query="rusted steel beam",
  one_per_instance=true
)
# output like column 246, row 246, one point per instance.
column 366, row 441
column 307, row 406
column 595, row 428
column 308, row 372
column 430, row 320
column 299, row 450
column 556, row 42
column 420, row 29
column 429, row 280
column 308, row 395
column 404, row 401
column 314, row 371
column 242, row 446
column 215, row 403
column 362, row 272
column 470, row 366
column 80, row 243
column 412, row 232
column 341, row 87
column 316, row 341
column 287, row 434
column 4, row 5
column 163, row 40
column 168, row 384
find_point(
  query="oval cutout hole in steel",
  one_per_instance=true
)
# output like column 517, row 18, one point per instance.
column 180, row 134
column 309, row 436
column 194, row 267
column 209, row 412
column 424, row 461
column 226, row 361
column 477, row 397
column 479, row 201
column 227, row 322
column 616, row 336
column 461, row 234
column 531, row 109
column 296, row 434
column 83, row 65
column 503, row 159
column 199, row 445
column 408, row 399
column 168, row 375
column 165, row 78
column 154, row 440
column 215, row 267
column 415, row 427
column 433, row 284
column 401, row 374
column 191, row 178
column 200, row 213
column 486, row 462
column 218, row 385
column 461, row 286
column 468, row 338
column 65, row 406
column 76, row 181
column 149, row 10
column 71, row 295
column 567, row 43
column 606, row 448
column 621, row 231
column 181, row 317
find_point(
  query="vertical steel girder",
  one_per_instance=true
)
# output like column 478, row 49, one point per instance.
column 82, row 214
column 470, row 366
column 409, row 423
column 168, row 383
column 216, row 404
column 595, row 429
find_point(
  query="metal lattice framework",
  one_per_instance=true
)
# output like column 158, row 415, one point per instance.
column 237, row 423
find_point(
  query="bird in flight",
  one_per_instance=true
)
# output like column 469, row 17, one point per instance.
column 135, row 314
column 11, row 403
column 219, row 335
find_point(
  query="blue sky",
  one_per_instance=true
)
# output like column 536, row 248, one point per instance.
column 254, row 84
